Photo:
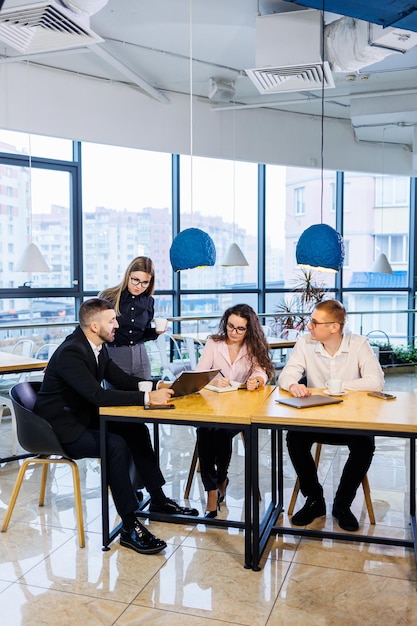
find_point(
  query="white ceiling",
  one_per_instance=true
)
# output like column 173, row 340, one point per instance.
column 147, row 46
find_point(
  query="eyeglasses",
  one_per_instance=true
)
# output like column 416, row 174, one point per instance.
column 237, row 329
column 139, row 283
column 315, row 323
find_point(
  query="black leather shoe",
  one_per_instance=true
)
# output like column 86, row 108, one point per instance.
column 170, row 507
column 141, row 540
column 313, row 507
column 345, row 517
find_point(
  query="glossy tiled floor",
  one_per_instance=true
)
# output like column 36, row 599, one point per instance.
column 45, row 578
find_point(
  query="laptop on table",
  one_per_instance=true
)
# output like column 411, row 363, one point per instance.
column 309, row 401
column 191, row 382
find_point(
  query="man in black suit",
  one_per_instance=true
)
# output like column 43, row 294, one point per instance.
column 69, row 398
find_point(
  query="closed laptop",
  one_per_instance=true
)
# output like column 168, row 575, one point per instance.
column 309, row 401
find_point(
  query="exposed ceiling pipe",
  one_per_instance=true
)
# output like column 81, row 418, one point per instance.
column 132, row 76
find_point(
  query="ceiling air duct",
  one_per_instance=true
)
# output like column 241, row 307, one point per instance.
column 46, row 27
column 288, row 53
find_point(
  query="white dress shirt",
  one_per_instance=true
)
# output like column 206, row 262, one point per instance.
column 355, row 363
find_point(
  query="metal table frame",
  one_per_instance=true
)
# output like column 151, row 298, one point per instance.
column 263, row 529
column 109, row 535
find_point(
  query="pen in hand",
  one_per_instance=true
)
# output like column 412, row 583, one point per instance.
column 223, row 382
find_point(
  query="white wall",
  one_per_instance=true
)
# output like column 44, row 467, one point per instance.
column 55, row 103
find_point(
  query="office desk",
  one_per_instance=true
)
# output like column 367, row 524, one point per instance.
column 357, row 414
column 206, row 408
column 15, row 364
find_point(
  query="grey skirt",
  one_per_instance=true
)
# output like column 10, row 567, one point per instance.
column 133, row 360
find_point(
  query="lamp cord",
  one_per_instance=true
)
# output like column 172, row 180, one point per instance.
column 322, row 117
column 191, row 111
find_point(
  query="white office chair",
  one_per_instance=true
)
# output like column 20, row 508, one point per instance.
column 171, row 366
column 43, row 353
column 24, row 347
column 194, row 348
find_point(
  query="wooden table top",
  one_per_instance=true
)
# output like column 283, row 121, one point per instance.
column 12, row 363
column 234, row 407
column 357, row 411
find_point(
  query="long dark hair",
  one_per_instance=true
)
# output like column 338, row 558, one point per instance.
column 255, row 340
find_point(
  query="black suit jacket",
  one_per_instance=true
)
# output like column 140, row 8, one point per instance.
column 71, row 391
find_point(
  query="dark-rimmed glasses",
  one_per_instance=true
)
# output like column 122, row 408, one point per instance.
column 237, row 329
column 139, row 283
column 315, row 323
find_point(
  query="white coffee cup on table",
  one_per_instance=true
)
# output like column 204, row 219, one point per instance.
column 160, row 323
column 334, row 385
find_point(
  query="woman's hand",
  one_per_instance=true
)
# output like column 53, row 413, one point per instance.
column 220, row 381
column 254, row 382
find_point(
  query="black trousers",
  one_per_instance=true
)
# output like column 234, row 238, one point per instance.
column 124, row 443
column 361, row 450
column 214, row 447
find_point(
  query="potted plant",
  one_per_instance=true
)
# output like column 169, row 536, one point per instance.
column 296, row 309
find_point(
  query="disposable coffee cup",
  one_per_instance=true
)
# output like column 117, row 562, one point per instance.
column 145, row 385
column 334, row 385
column 160, row 323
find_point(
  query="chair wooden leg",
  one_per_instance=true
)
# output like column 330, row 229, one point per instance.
column 297, row 482
column 191, row 473
column 78, row 503
column 365, row 485
column 44, row 478
column 45, row 462
column 15, row 493
column 368, row 500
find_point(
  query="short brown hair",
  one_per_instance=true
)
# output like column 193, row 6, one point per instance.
column 334, row 309
column 90, row 308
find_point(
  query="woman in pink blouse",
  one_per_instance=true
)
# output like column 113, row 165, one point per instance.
column 240, row 351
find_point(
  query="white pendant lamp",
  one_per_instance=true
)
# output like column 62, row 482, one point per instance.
column 381, row 265
column 234, row 256
column 32, row 261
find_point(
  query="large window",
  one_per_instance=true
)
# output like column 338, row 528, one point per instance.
column 224, row 205
column 127, row 208
column 126, row 213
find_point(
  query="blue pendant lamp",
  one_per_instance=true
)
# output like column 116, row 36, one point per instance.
column 191, row 248
column 320, row 246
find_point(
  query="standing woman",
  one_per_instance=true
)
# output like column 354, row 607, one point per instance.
column 240, row 351
column 134, row 305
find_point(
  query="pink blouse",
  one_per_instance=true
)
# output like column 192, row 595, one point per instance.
column 215, row 355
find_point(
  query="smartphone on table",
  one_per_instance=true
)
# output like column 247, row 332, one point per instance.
column 382, row 395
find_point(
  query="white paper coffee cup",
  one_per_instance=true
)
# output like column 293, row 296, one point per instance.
column 160, row 323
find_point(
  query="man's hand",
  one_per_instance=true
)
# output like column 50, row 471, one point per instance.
column 160, row 396
column 299, row 391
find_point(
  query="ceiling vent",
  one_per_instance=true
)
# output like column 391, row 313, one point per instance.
column 44, row 27
column 288, row 53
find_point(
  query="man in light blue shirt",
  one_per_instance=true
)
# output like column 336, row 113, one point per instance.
column 330, row 352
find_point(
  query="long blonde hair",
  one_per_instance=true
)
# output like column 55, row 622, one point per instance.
column 139, row 264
